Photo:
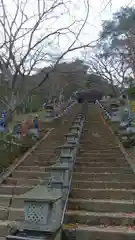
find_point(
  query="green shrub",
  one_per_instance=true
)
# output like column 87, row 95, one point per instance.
column 131, row 93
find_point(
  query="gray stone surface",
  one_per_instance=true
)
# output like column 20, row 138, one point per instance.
column 41, row 193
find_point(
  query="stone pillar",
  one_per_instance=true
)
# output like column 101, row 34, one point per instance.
column 67, row 155
column 80, row 116
column 67, row 151
column 43, row 213
column 75, row 130
column 79, row 121
column 72, row 138
column 42, row 209
column 49, row 113
column 78, row 124
column 69, row 160
column 60, row 173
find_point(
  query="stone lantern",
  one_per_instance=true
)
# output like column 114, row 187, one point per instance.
column 77, row 124
column 79, row 121
column 60, row 173
column 76, row 130
column 67, row 153
column 67, row 150
column 49, row 113
column 80, row 116
column 42, row 209
column 72, row 138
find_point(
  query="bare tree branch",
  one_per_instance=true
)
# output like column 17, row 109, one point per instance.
column 110, row 69
column 28, row 38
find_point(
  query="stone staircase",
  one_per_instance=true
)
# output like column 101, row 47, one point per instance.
column 32, row 171
column 102, row 200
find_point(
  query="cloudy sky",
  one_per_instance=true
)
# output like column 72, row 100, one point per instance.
column 99, row 10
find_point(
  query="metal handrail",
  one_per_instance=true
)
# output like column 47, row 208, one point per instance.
column 107, row 113
column 67, row 197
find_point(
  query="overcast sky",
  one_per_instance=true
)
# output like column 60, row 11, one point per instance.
column 102, row 10
column 99, row 10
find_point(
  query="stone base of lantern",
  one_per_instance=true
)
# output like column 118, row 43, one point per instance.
column 32, row 235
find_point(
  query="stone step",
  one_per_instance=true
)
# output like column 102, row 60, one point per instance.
column 109, row 142
column 100, row 232
column 15, row 214
column 102, row 138
column 113, row 146
column 103, row 184
column 5, row 227
column 47, row 148
column 102, row 187
column 96, row 205
column 84, row 141
column 11, row 214
column 11, row 189
column 39, row 157
column 97, row 218
column 7, row 200
column 40, row 163
column 104, row 149
column 107, row 139
column 96, row 150
column 99, row 163
column 96, row 134
column 103, row 177
column 100, row 158
column 40, row 154
column 115, row 162
column 91, row 155
column 22, row 181
column 94, row 128
column 34, row 168
column 17, row 203
column 29, row 174
column 117, row 194
column 109, row 148
column 103, row 170
column 43, row 156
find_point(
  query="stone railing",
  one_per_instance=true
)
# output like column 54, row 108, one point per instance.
column 45, row 204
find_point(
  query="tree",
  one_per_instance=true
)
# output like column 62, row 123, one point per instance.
column 118, row 37
column 94, row 80
column 109, row 70
column 68, row 75
column 28, row 40
column 129, row 81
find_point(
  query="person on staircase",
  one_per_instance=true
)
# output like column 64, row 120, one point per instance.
column 36, row 126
